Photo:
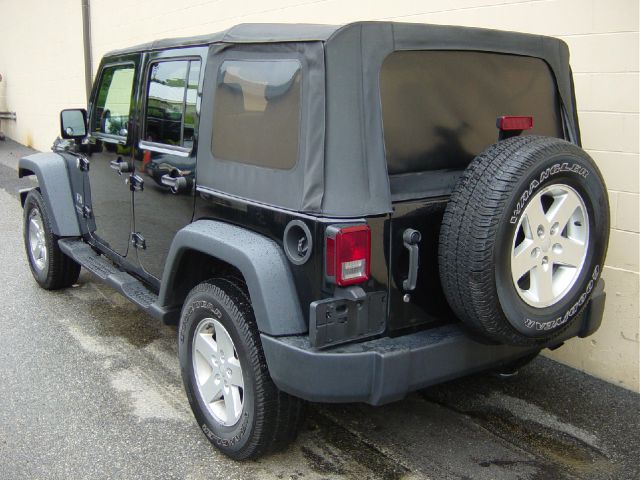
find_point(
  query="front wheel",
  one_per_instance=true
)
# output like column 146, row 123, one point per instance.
column 50, row 267
column 232, row 396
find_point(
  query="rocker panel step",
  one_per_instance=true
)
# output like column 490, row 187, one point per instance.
column 86, row 256
column 105, row 270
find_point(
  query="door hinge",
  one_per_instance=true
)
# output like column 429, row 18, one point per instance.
column 86, row 211
column 136, row 183
column 138, row 241
column 83, row 164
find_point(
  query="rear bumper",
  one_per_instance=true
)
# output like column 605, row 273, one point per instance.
column 386, row 369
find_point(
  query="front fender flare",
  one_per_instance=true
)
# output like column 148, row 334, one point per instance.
column 53, row 180
column 260, row 260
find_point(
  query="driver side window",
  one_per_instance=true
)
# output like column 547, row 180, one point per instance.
column 113, row 102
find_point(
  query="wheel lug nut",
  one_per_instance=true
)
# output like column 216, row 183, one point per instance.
column 535, row 252
column 557, row 248
column 540, row 231
column 554, row 228
column 229, row 372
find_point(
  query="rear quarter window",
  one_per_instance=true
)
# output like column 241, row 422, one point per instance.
column 439, row 108
column 256, row 113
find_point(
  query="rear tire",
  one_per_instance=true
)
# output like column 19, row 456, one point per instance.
column 50, row 267
column 259, row 418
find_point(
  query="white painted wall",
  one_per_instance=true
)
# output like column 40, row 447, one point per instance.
column 42, row 63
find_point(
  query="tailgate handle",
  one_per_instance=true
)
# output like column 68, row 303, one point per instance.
column 411, row 238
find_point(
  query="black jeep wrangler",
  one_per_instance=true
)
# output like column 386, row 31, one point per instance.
column 332, row 214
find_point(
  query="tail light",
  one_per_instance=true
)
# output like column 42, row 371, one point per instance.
column 348, row 254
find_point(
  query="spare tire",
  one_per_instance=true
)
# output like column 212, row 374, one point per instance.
column 523, row 239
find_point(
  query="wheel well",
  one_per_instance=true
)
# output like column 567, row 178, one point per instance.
column 196, row 267
column 24, row 172
column 24, row 192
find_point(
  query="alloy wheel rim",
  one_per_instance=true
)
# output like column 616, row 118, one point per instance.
column 218, row 372
column 549, row 246
column 37, row 241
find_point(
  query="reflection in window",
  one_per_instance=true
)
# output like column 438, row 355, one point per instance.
column 171, row 102
column 257, row 112
column 113, row 103
column 190, row 115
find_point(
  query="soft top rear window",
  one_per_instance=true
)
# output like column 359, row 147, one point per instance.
column 439, row 108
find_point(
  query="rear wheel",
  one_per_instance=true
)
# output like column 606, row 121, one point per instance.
column 231, row 394
column 50, row 267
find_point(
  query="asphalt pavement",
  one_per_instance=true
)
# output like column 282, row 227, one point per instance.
column 90, row 388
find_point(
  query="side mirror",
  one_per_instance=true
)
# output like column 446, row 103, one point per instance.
column 73, row 123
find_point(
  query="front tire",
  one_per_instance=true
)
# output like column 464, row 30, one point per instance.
column 232, row 396
column 50, row 267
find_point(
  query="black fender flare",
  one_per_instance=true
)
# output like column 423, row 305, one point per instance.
column 260, row 260
column 53, row 179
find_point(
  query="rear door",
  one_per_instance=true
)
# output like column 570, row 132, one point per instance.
column 166, row 156
column 439, row 111
column 112, row 135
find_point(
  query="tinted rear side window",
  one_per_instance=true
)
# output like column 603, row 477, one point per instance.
column 256, row 116
column 439, row 108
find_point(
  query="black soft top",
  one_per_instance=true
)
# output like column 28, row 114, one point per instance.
column 244, row 33
column 342, row 169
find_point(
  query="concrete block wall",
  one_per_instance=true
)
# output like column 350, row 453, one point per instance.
column 43, row 73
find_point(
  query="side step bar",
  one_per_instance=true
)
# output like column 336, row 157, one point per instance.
column 132, row 288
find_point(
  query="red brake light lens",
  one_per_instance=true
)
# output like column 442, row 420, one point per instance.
column 348, row 255
column 508, row 123
column 331, row 257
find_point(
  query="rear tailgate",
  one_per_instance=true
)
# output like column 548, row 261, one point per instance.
column 439, row 111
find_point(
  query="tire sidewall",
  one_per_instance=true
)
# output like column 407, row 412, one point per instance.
column 34, row 202
column 230, row 439
column 574, row 168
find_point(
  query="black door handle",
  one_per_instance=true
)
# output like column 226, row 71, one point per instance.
column 411, row 238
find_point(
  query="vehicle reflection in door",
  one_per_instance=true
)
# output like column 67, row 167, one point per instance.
column 165, row 205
